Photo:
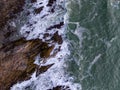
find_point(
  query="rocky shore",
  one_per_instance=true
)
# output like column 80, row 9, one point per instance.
column 17, row 55
column 8, row 9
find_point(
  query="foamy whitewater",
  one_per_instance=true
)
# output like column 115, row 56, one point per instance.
column 56, row 75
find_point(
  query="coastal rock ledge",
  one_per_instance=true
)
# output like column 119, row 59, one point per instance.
column 17, row 55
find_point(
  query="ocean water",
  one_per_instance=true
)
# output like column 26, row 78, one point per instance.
column 94, row 37
column 90, row 54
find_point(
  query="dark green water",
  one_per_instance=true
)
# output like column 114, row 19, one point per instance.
column 94, row 36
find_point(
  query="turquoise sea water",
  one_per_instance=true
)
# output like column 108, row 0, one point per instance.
column 93, row 32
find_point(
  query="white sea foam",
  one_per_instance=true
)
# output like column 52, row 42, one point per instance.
column 39, row 24
column 55, row 75
column 93, row 62
column 115, row 3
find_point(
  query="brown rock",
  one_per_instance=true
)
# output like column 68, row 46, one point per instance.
column 38, row 10
column 45, row 53
column 43, row 69
column 51, row 2
column 46, row 35
column 17, row 57
column 16, row 54
column 16, row 61
column 58, row 26
column 33, row 1
column 8, row 9
column 8, row 34
column 57, row 38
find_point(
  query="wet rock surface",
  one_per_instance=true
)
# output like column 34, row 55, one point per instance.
column 38, row 10
column 17, row 61
column 16, row 53
column 51, row 2
column 43, row 69
column 57, row 38
column 58, row 26
column 8, row 9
